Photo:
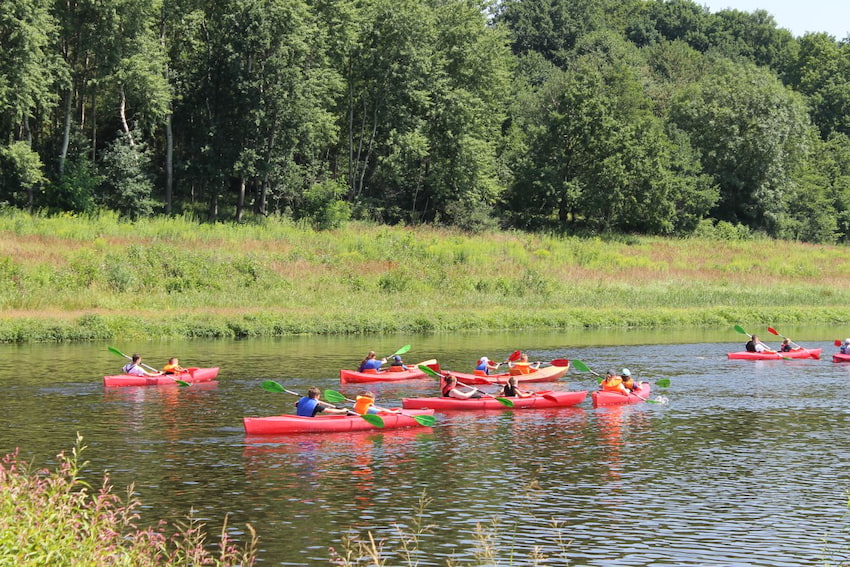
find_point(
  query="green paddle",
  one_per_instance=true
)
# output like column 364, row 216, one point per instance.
column 337, row 398
column 504, row 401
column 272, row 386
column 181, row 383
column 402, row 350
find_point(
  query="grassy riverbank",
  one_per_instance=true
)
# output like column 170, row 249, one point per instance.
column 65, row 278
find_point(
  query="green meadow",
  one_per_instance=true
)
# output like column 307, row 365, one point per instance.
column 68, row 278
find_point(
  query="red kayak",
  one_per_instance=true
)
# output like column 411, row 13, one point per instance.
column 540, row 400
column 838, row 357
column 602, row 398
column 192, row 376
column 546, row 374
column 412, row 373
column 796, row 353
column 278, row 424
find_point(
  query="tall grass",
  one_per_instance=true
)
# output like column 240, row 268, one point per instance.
column 70, row 278
column 56, row 518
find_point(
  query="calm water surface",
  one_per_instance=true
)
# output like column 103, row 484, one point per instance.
column 746, row 464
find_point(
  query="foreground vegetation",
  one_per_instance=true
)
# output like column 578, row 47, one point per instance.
column 66, row 278
column 57, row 518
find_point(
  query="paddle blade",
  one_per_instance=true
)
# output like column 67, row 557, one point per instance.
column 772, row 331
column 272, row 386
column 114, row 350
column 505, row 402
column 424, row 420
column 402, row 350
column 838, row 342
column 561, row 362
column 429, row 371
column 741, row 330
column 375, row 420
column 580, row 366
column 182, row 383
column 663, row 383
column 334, row 397
column 515, row 355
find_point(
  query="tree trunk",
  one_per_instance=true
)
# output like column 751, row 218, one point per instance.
column 66, row 135
column 169, row 164
column 122, row 112
column 240, row 205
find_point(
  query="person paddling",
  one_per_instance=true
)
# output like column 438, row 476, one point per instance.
column 450, row 389
column 365, row 403
column 134, row 367
column 173, row 366
column 613, row 382
column 523, row 366
column 485, row 366
column 755, row 345
column 510, row 390
column 845, row 348
column 310, row 405
column 628, row 380
column 371, row 363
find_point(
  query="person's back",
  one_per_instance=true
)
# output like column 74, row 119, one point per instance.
column 845, row 348
column 132, row 369
column 751, row 346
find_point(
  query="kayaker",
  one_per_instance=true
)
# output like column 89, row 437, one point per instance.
column 310, row 405
column 845, row 348
column 397, row 364
column 523, row 366
column 371, row 362
column 510, row 390
column 786, row 346
column 365, row 403
column 450, row 389
column 485, row 365
column 173, row 366
column 755, row 345
column 613, row 382
column 628, row 381
column 134, row 368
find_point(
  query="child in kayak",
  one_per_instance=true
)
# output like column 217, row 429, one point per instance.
column 397, row 365
column 365, row 403
column 310, row 405
column 628, row 381
column 450, row 389
column 134, row 368
column 173, row 366
column 485, row 366
column 371, row 362
column 523, row 366
column 510, row 390
column 613, row 382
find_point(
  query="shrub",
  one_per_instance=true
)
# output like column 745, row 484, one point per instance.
column 56, row 518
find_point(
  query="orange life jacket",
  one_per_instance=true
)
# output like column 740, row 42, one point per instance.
column 362, row 404
column 521, row 368
column 613, row 384
column 171, row 369
column 396, row 368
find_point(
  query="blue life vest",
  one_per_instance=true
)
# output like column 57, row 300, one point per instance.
column 483, row 367
column 371, row 364
column 306, row 407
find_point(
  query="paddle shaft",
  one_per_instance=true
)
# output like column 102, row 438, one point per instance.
column 327, row 404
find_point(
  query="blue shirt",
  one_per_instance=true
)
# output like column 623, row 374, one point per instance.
column 371, row 364
column 307, row 407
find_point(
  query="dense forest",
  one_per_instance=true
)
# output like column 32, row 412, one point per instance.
column 575, row 116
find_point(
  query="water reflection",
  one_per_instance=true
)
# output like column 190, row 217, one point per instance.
column 743, row 467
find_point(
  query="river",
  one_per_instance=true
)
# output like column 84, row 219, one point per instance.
column 745, row 465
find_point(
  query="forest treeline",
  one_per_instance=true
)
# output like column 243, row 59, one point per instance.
column 579, row 116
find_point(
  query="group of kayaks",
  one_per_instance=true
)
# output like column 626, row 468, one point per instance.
column 414, row 412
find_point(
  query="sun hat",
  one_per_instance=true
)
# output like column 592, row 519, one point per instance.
column 626, row 372
column 611, row 372
column 484, row 360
